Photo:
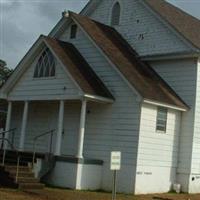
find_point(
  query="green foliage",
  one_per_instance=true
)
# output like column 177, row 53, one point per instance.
column 5, row 72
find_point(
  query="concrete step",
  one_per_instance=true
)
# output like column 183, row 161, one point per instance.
column 27, row 180
column 14, row 168
column 31, row 186
column 21, row 174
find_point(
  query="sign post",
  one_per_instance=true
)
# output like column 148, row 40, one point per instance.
column 115, row 165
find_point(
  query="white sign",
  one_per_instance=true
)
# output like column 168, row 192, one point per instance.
column 115, row 161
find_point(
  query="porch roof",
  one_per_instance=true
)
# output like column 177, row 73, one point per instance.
column 126, row 60
column 78, row 67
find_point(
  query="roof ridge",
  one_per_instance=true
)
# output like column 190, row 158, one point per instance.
column 143, row 78
column 184, row 23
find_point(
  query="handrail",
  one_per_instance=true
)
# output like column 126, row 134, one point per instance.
column 4, row 152
column 43, row 134
column 11, row 145
column 39, row 136
column 12, row 131
column 18, row 156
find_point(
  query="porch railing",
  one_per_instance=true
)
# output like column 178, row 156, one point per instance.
column 4, row 156
column 10, row 131
column 51, row 132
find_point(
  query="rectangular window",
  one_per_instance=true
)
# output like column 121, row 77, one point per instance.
column 161, row 124
column 73, row 31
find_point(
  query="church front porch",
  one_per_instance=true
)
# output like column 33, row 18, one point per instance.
column 54, row 129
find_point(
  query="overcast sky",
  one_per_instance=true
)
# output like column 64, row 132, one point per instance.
column 22, row 21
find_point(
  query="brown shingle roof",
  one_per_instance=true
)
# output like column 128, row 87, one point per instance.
column 80, row 70
column 139, row 74
column 185, row 24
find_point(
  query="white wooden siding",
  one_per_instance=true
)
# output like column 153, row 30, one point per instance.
column 157, row 152
column 71, row 128
column 113, row 126
column 145, row 32
column 41, row 119
column 157, row 148
column 29, row 88
column 196, row 139
column 181, row 76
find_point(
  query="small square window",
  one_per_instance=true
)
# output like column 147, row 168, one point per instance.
column 161, row 123
column 73, row 31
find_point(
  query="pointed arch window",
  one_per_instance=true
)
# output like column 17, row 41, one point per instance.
column 45, row 66
column 115, row 17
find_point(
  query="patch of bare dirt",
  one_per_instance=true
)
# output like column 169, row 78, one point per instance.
column 61, row 194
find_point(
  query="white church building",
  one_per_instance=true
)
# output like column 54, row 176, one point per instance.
column 123, row 75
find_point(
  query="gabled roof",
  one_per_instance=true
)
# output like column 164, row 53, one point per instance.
column 79, row 69
column 139, row 74
column 75, row 65
column 185, row 24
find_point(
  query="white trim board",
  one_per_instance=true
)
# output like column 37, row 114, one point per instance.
column 98, row 98
column 163, row 105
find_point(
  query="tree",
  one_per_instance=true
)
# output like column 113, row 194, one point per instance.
column 5, row 72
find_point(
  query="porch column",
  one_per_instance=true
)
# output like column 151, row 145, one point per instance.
column 24, row 123
column 82, row 129
column 8, row 122
column 60, row 128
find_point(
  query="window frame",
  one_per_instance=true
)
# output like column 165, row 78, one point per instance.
column 112, row 12
column 73, row 35
column 163, row 120
column 41, row 58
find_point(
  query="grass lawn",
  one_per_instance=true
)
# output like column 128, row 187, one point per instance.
column 61, row 194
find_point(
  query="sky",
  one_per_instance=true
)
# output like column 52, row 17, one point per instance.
column 23, row 21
